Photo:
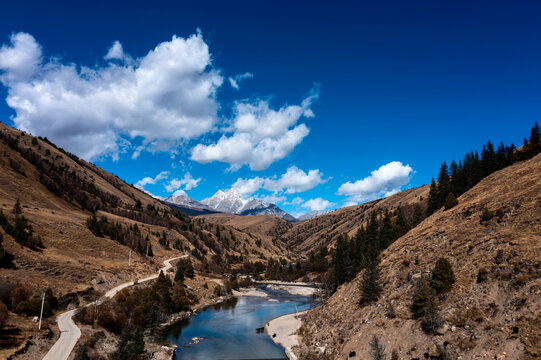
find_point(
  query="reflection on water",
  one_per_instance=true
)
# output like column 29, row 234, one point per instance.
column 228, row 330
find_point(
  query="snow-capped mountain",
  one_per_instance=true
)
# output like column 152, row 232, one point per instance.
column 188, row 205
column 314, row 213
column 185, row 201
column 230, row 201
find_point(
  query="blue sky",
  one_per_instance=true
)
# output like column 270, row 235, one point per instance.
column 328, row 93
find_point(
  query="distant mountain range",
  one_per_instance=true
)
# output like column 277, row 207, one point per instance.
column 312, row 214
column 228, row 201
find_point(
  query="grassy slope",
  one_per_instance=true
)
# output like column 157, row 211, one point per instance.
column 481, row 318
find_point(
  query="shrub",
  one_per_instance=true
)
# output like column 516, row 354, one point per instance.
column 82, row 354
column 391, row 311
column 521, row 280
column 32, row 307
column 500, row 258
column 443, row 276
column 486, row 215
column 451, row 201
column 377, row 349
column 482, row 275
column 18, row 295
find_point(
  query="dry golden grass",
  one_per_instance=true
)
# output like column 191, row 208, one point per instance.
column 500, row 315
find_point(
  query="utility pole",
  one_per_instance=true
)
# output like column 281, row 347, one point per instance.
column 41, row 313
column 129, row 261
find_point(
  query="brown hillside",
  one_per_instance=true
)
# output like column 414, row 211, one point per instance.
column 312, row 234
column 264, row 225
column 57, row 191
column 499, row 318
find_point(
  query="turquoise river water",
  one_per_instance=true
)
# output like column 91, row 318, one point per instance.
column 227, row 331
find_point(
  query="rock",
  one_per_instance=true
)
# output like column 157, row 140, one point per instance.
column 442, row 330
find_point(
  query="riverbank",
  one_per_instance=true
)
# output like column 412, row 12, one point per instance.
column 283, row 331
column 302, row 289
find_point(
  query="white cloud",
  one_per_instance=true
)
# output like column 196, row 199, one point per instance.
column 235, row 81
column 260, row 135
column 385, row 181
column 296, row 201
column 294, row 180
column 188, row 182
column 116, row 52
column 164, row 97
column 317, row 204
column 246, row 187
column 273, row 199
column 21, row 60
column 149, row 180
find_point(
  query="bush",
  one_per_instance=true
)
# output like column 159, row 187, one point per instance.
column 82, row 354
column 482, row 275
column 377, row 349
column 32, row 307
column 451, row 201
column 521, row 280
column 443, row 276
column 486, row 215
column 391, row 311
column 18, row 295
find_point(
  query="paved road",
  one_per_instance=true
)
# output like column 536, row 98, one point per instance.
column 70, row 333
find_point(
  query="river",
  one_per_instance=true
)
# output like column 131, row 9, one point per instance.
column 227, row 331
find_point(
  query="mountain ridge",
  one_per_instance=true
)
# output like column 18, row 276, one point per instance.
column 230, row 202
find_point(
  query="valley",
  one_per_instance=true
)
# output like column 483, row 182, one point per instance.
column 91, row 242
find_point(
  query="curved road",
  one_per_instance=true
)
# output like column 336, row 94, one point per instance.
column 70, row 333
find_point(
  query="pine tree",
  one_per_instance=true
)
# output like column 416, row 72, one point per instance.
column 17, row 209
column 432, row 198
column 136, row 347
column 370, row 284
column 401, row 225
column 443, row 276
column 122, row 350
column 340, row 260
column 418, row 215
column 386, row 231
column 443, row 185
